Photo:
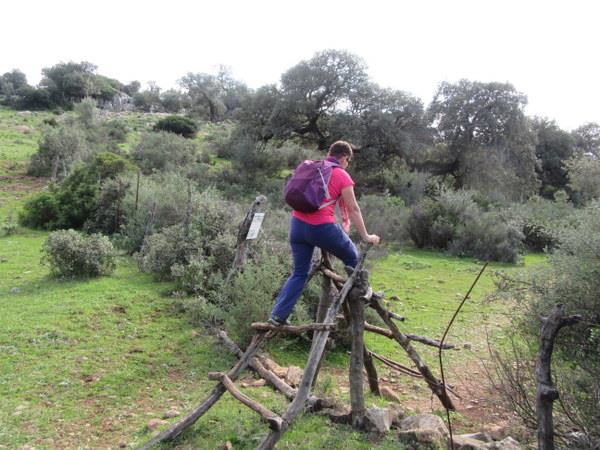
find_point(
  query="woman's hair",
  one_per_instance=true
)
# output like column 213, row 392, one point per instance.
column 341, row 148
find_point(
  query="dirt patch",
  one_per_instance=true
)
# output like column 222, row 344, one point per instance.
column 20, row 185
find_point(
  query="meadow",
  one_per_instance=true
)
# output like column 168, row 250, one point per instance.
column 89, row 363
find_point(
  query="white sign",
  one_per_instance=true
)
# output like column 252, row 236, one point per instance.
column 257, row 221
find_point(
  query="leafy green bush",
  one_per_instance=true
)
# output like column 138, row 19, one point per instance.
column 41, row 211
column 164, row 249
column 59, row 149
column 183, row 126
column 488, row 238
column 73, row 202
column 71, row 254
column 385, row 216
column 454, row 221
column 164, row 151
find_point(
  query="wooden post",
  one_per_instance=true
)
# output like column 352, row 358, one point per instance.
column 357, row 327
column 316, row 352
column 242, row 244
column 546, row 393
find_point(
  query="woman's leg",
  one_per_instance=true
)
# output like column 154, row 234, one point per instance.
column 332, row 239
column 302, row 252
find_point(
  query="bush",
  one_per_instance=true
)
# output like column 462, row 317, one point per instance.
column 73, row 202
column 41, row 211
column 488, row 238
column 455, row 222
column 59, row 149
column 540, row 220
column 183, row 126
column 385, row 216
column 164, row 151
column 71, row 254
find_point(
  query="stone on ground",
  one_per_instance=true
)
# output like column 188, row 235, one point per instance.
column 425, row 431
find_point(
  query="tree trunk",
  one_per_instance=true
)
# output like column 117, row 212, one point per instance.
column 546, row 392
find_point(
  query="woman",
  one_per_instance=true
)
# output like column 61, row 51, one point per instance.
column 319, row 229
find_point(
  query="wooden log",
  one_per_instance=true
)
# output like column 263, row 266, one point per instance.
column 546, row 393
column 294, row 329
column 434, row 384
column 332, row 275
column 313, row 403
column 357, row 327
column 176, row 429
column 397, row 366
column 413, row 337
column 316, row 352
column 274, row 420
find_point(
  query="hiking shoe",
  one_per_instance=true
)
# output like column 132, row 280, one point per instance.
column 277, row 322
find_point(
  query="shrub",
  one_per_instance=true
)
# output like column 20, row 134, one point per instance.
column 385, row 216
column 183, row 126
column 116, row 130
column 488, row 238
column 71, row 254
column 73, row 202
column 40, row 211
column 455, row 222
column 59, row 149
column 163, row 151
column 162, row 250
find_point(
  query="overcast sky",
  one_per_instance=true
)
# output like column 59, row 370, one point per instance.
column 546, row 49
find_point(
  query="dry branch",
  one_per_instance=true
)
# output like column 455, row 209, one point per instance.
column 294, row 329
column 412, row 337
column 314, row 403
column 274, row 420
column 434, row 384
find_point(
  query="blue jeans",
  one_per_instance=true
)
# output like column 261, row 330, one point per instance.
column 304, row 237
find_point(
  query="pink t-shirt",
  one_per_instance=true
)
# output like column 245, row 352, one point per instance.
column 339, row 180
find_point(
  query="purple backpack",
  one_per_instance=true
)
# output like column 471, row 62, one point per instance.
column 307, row 188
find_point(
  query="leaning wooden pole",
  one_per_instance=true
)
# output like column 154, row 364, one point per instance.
column 546, row 393
column 316, row 352
column 434, row 384
column 178, row 428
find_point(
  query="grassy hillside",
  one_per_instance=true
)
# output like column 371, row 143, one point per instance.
column 88, row 363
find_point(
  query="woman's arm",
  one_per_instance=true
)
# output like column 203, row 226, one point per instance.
column 356, row 216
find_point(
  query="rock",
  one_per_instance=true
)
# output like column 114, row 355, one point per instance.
column 425, row 431
column 466, row 443
column 505, row 444
column 226, row 446
column 122, row 444
column 22, row 129
column 153, row 424
column 467, row 346
column 338, row 414
column 294, row 375
column 387, row 393
column 171, row 413
column 481, row 436
column 379, row 419
column 395, row 298
column 15, row 290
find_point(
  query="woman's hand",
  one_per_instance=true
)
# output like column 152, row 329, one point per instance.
column 373, row 239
